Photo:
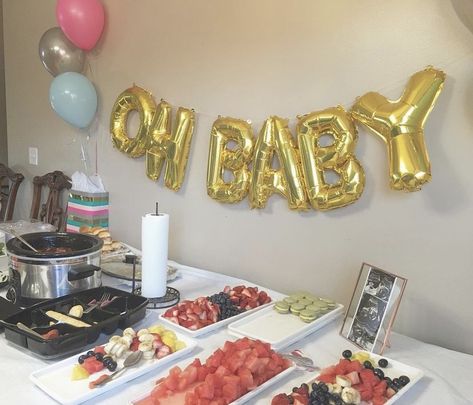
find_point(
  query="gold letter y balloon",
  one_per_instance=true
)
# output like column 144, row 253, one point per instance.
column 400, row 124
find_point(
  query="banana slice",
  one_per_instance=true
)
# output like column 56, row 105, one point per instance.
column 127, row 339
column 122, row 349
column 145, row 347
column 110, row 347
column 130, row 332
column 76, row 311
column 148, row 355
column 337, row 389
column 148, row 337
column 351, row 396
column 115, row 338
column 142, row 332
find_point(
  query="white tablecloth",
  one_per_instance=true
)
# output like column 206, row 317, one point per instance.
column 448, row 374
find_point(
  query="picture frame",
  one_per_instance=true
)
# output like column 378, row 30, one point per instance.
column 373, row 308
column 3, row 248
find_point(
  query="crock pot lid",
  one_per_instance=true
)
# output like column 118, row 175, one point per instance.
column 79, row 243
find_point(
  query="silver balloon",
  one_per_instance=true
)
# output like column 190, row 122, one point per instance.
column 58, row 54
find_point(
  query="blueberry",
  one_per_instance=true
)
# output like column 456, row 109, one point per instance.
column 290, row 398
column 295, row 389
column 378, row 372
column 347, row 354
column 112, row 366
column 382, row 363
column 82, row 358
column 388, row 379
column 99, row 356
column 367, row 364
column 323, row 388
column 404, row 380
column 397, row 383
column 90, row 353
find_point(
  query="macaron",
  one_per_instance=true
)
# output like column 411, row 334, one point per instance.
column 300, row 294
column 305, row 301
column 328, row 301
column 296, row 308
column 307, row 315
column 290, row 300
column 281, row 307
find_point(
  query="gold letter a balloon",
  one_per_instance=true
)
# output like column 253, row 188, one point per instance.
column 400, row 124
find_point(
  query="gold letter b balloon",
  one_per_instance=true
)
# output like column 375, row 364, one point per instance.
column 400, row 124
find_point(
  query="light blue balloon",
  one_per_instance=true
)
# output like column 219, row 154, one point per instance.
column 73, row 98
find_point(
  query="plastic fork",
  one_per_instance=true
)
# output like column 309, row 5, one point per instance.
column 103, row 298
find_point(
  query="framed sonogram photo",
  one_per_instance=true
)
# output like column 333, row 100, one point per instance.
column 373, row 308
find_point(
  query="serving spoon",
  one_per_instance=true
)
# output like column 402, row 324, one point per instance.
column 130, row 361
column 23, row 241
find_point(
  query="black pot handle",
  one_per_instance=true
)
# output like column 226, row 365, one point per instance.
column 81, row 271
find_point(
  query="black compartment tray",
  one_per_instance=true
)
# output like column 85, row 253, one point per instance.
column 122, row 312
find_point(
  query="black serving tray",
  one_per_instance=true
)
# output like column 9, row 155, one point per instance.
column 124, row 311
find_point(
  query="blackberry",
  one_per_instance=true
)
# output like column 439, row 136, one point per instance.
column 227, row 308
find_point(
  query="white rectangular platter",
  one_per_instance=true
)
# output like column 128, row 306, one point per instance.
column 250, row 394
column 55, row 379
column 280, row 330
column 213, row 326
column 396, row 369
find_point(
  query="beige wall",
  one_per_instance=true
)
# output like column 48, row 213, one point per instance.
column 250, row 59
column 3, row 122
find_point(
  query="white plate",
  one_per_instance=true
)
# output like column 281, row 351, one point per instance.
column 396, row 369
column 213, row 326
column 280, row 330
column 55, row 379
column 250, row 394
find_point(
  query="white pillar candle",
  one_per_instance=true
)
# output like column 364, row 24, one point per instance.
column 154, row 250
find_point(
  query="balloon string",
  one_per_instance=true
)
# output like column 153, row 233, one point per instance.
column 394, row 85
column 83, row 154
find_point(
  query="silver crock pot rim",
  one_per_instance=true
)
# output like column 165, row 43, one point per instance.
column 13, row 246
column 53, row 259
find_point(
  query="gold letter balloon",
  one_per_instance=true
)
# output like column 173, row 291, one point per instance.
column 154, row 137
column 400, row 124
column 275, row 139
column 221, row 158
column 338, row 157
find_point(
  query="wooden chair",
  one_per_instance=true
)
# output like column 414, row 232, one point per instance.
column 51, row 211
column 9, row 184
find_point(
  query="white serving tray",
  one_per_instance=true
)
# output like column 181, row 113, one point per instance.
column 55, row 380
column 250, row 394
column 396, row 369
column 213, row 326
column 280, row 330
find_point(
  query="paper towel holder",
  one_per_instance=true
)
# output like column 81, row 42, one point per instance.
column 172, row 296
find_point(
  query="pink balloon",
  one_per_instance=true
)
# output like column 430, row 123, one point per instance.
column 81, row 21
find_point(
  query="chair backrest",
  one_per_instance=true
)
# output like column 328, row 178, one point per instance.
column 51, row 211
column 9, row 184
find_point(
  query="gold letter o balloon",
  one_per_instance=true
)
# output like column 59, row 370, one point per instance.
column 132, row 99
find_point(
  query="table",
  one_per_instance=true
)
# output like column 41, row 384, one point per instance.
column 448, row 374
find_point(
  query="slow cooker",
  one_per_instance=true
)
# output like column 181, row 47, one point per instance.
column 65, row 263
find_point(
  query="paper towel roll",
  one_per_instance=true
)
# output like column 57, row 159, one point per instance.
column 154, row 250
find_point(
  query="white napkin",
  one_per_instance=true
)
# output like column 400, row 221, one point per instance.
column 87, row 184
